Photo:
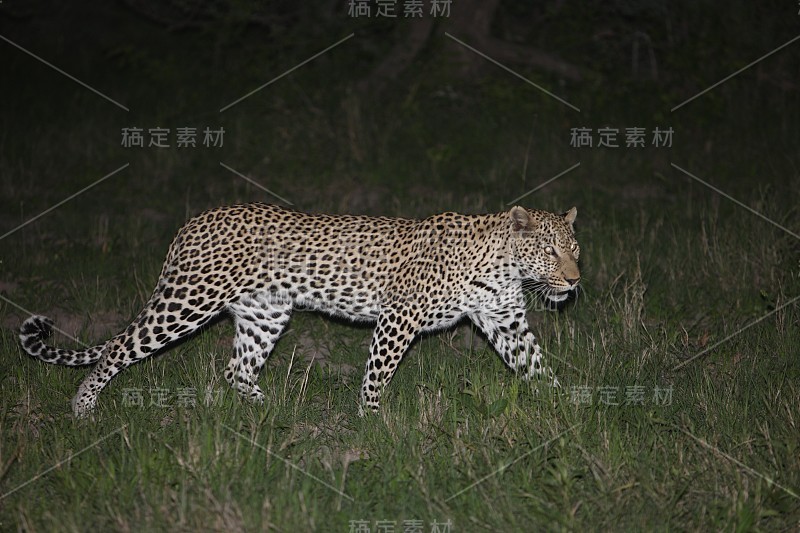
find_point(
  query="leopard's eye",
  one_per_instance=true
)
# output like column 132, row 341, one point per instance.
column 574, row 246
column 549, row 250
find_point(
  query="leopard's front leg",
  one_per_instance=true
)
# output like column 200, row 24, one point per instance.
column 506, row 327
column 529, row 356
column 393, row 335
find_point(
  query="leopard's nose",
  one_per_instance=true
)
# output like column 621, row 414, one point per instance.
column 572, row 281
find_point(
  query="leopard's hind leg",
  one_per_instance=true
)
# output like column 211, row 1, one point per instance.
column 162, row 321
column 259, row 321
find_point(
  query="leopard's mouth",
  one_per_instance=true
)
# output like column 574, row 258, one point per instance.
column 558, row 296
column 548, row 292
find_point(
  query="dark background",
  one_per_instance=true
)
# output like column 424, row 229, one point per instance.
column 398, row 111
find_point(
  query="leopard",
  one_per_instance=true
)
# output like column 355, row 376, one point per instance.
column 260, row 262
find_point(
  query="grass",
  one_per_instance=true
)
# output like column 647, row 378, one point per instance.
column 632, row 441
column 715, row 449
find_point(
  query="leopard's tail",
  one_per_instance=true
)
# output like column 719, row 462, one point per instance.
column 32, row 335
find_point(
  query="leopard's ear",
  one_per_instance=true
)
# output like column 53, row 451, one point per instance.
column 520, row 218
column 570, row 215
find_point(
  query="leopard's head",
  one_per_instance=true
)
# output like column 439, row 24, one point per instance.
column 545, row 251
